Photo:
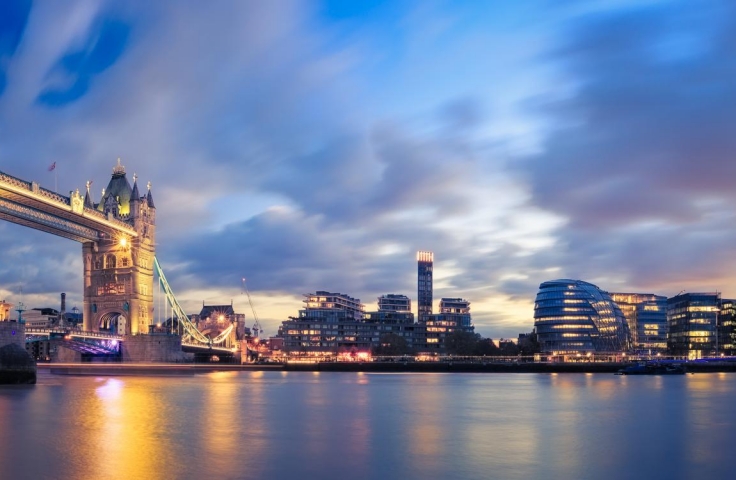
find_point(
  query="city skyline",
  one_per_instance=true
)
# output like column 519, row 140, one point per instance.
column 320, row 145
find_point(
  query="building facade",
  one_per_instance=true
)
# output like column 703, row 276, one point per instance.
column 454, row 315
column 692, row 319
column 329, row 323
column 425, row 262
column 41, row 317
column 334, row 323
column 727, row 328
column 573, row 316
column 646, row 315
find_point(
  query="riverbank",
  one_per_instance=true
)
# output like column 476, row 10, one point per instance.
column 151, row 369
column 147, row 369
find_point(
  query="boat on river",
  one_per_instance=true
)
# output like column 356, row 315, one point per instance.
column 653, row 368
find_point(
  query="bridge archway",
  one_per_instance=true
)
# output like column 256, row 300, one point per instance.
column 112, row 322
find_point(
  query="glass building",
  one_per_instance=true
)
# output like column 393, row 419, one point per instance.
column 692, row 319
column 646, row 315
column 727, row 327
column 572, row 316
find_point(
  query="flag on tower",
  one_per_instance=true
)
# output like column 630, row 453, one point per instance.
column 52, row 167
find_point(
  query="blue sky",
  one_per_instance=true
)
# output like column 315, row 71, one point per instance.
column 318, row 145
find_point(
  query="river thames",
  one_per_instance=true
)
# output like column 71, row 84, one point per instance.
column 280, row 425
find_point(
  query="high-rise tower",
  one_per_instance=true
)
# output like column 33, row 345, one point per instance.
column 424, row 285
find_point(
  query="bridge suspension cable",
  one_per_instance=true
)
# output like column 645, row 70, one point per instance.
column 177, row 311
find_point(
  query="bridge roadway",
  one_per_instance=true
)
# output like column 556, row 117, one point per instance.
column 105, row 343
column 30, row 205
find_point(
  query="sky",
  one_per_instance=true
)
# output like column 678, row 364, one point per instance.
column 318, row 145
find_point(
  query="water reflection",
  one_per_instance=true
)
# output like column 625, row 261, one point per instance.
column 332, row 426
column 124, row 426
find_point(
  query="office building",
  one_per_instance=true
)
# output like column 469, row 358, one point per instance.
column 646, row 315
column 692, row 319
column 727, row 328
column 572, row 316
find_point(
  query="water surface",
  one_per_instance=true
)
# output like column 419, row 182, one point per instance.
column 354, row 426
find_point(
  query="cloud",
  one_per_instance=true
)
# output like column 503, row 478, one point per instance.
column 71, row 76
column 639, row 156
column 13, row 19
column 311, row 150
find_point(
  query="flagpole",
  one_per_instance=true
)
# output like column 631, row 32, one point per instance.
column 56, row 180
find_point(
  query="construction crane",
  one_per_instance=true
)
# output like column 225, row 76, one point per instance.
column 256, row 330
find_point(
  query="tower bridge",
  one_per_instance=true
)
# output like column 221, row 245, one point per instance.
column 118, row 237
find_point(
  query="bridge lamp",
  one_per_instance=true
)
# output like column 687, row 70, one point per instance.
column 123, row 242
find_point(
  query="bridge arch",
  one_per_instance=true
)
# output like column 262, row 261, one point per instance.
column 113, row 322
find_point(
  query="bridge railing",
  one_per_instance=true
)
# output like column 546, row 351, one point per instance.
column 44, row 192
column 14, row 181
column 100, row 335
column 71, row 332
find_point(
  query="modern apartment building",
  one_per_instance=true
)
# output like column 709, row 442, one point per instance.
column 334, row 323
column 425, row 262
column 394, row 303
column 329, row 322
column 454, row 315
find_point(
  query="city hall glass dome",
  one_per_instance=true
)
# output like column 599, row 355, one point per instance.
column 572, row 316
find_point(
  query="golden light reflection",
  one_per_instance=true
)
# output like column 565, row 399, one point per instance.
column 125, row 422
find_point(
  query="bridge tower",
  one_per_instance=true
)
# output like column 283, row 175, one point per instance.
column 118, row 270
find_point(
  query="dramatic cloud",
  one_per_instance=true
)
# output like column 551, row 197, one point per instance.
column 319, row 146
column 641, row 162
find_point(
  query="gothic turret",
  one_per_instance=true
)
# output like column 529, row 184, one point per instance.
column 135, row 195
column 118, row 191
column 88, row 197
column 149, row 197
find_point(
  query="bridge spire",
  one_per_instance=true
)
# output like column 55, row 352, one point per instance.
column 118, row 169
column 135, row 196
column 88, row 196
column 149, row 197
